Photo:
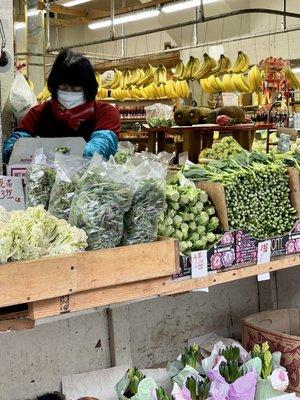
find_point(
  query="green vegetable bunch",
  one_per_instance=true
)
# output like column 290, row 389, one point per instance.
column 257, row 191
column 161, row 394
column 135, row 376
column 230, row 370
column 198, row 390
column 36, row 233
column 156, row 122
column 98, row 208
column 68, row 172
column 224, row 149
column 39, row 181
column 191, row 356
column 265, row 355
column 141, row 221
column 189, row 217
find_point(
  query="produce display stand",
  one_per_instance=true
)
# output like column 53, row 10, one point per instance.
column 198, row 137
column 59, row 285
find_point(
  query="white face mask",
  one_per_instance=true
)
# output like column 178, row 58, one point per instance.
column 70, row 99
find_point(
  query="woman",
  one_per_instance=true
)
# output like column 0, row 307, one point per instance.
column 72, row 110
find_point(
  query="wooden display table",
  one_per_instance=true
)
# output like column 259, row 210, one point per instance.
column 198, row 137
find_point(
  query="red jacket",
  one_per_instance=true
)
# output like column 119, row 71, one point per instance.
column 47, row 120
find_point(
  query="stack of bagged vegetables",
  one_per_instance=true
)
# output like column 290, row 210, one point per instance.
column 257, row 191
column 229, row 373
column 189, row 217
column 115, row 204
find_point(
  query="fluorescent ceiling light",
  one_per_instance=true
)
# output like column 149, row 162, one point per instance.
column 19, row 25
column 296, row 70
column 73, row 3
column 183, row 5
column 124, row 19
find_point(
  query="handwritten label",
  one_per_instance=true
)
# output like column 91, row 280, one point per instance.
column 263, row 257
column 199, row 266
column 286, row 396
column 230, row 99
column 11, row 193
column 183, row 158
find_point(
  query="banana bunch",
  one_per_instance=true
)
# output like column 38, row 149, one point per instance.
column 31, row 85
column 240, row 83
column 160, row 75
column 191, row 68
column 179, row 71
column 292, row 79
column 229, row 83
column 255, row 79
column 148, row 76
column 241, row 64
column 222, row 67
column 44, row 95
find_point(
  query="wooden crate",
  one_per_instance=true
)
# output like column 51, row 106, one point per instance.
column 51, row 277
column 15, row 318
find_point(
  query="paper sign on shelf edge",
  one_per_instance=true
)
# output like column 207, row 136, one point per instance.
column 199, row 266
column 263, row 257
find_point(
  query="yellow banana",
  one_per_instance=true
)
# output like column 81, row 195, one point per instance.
column 292, row 79
column 170, row 90
column 179, row 70
column 205, row 68
column 239, row 83
column 241, row 64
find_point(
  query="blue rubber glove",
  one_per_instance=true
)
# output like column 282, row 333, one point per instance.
column 9, row 143
column 103, row 142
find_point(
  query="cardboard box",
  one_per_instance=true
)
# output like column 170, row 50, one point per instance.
column 246, row 245
column 281, row 329
column 25, row 148
column 219, row 256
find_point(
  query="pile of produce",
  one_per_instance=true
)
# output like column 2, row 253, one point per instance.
column 224, row 149
column 101, row 198
column 40, row 178
column 229, row 373
column 68, row 172
column 159, row 115
column 187, row 115
column 35, row 233
column 257, row 192
column 189, row 217
column 141, row 220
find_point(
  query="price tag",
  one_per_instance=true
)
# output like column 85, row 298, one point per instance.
column 264, row 252
column 230, row 99
column 11, row 193
column 263, row 257
column 199, row 266
column 286, row 396
column 183, row 158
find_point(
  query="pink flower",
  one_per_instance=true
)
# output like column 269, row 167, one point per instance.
column 216, row 261
column 228, row 258
column 227, row 238
column 290, row 247
column 297, row 245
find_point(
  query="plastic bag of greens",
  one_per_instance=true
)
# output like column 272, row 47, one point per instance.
column 102, row 196
column 40, row 177
column 141, row 220
column 125, row 149
column 159, row 115
column 68, row 171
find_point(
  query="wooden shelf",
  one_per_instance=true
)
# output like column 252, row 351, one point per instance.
column 145, row 289
column 58, row 285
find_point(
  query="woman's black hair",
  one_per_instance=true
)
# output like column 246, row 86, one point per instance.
column 73, row 69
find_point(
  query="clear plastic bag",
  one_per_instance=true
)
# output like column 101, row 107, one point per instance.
column 102, row 196
column 68, row 172
column 40, row 177
column 125, row 149
column 141, row 221
column 22, row 97
column 159, row 115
